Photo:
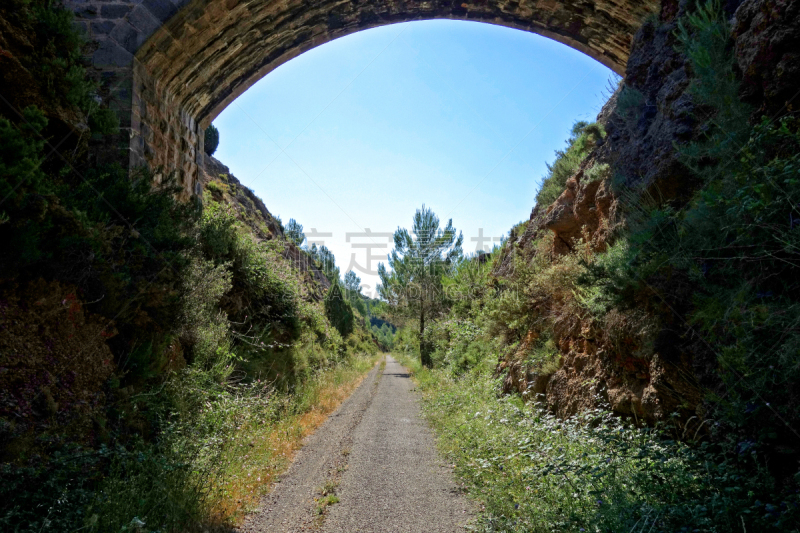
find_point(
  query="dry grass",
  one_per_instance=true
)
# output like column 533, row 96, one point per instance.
column 258, row 454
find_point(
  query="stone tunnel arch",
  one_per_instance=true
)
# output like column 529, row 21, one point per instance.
column 170, row 66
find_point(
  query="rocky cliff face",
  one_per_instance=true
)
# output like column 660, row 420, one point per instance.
column 767, row 35
column 656, row 376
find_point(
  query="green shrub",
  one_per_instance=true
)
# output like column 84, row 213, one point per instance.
column 338, row 310
column 215, row 187
column 268, row 294
column 535, row 473
column 581, row 141
column 704, row 35
column 211, row 140
column 721, row 270
column 630, row 102
column 598, row 172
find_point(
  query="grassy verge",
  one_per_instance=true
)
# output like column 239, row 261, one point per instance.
column 262, row 449
column 532, row 472
column 207, row 475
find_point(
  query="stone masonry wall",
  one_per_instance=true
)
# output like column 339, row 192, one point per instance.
column 168, row 67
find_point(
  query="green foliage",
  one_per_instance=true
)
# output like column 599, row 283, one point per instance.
column 338, row 310
column 326, row 262
column 418, row 263
column 79, row 229
column 406, row 343
column 535, row 473
column 191, row 307
column 582, row 140
column 384, row 334
column 294, row 232
column 630, row 103
column 459, row 345
column 735, row 250
column 205, row 327
column 705, row 38
column 597, row 172
column 211, row 140
column 467, row 284
column 21, row 176
column 270, row 295
column 56, row 60
column 721, row 270
column 215, row 187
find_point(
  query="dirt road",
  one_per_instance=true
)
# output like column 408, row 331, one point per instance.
column 377, row 457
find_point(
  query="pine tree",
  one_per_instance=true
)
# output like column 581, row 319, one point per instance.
column 418, row 263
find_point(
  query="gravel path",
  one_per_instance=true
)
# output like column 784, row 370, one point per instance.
column 378, row 457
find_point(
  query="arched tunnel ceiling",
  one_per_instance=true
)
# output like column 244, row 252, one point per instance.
column 208, row 52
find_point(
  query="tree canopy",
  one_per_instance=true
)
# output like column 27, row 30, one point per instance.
column 418, row 263
column 294, row 232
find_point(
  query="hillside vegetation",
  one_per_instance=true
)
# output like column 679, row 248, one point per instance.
column 628, row 360
column 640, row 373
column 160, row 361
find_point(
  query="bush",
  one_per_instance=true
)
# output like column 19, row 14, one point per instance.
column 535, row 473
column 262, row 292
column 294, row 232
column 338, row 310
column 211, row 140
column 721, row 271
column 629, row 107
column 598, row 172
column 581, row 141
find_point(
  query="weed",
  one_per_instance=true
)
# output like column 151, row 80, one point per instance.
column 582, row 140
column 536, row 473
column 598, row 172
column 325, row 501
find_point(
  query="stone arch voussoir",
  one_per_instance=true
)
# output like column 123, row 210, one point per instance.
column 171, row 66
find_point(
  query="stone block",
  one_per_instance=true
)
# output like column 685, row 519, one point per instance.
column 87, row 11
column 143, row 20
column 136, row 124
column 127, row 36
column 102, row 27
column 114, row 11
column 162, row 9
column 111, row 54
column 180, row 3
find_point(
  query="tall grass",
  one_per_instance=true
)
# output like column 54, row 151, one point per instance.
column 210, row 469
column 532, row 472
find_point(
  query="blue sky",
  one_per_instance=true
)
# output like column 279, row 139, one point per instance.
column 358, row 133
